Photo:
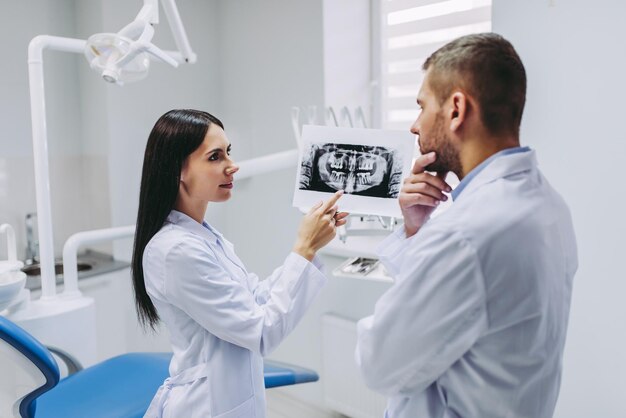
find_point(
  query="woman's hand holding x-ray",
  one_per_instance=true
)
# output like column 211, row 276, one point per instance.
column 319, row 226
column 421, row 193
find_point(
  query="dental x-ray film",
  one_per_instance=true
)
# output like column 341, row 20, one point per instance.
column 369, row 165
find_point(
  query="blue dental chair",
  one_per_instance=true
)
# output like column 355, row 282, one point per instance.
column 120, row 387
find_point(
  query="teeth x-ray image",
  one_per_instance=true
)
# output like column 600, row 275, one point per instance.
column 356, row 169
column 369, row 165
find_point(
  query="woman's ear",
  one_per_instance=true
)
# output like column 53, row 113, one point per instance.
column 458, row 110
column 183, row 172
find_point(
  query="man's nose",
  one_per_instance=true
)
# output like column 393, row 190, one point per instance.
column 415, row 128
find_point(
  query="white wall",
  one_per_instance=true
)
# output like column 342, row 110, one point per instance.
column 347, row 58
column 574, row 54
column 72, row 211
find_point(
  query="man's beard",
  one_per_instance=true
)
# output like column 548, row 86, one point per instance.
column 439, row 142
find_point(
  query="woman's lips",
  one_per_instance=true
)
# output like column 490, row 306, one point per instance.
column 226, row 186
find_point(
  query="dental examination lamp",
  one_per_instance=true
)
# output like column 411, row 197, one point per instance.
column 67, row 320
column 125, row 56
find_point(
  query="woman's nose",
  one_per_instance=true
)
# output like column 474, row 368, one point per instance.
column 232, row 169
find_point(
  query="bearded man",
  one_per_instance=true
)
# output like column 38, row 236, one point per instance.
column 474, row 325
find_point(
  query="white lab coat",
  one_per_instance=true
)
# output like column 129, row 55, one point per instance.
column 222, row 320
column 475, row 323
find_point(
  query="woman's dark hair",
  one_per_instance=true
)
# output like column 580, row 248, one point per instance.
column 175, row 135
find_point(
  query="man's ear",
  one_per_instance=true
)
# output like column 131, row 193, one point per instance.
column 458, row 110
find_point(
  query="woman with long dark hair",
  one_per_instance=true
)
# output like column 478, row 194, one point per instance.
column 222, row 320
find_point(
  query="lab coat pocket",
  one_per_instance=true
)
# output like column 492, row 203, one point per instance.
column 231, row 383
column 244, row 410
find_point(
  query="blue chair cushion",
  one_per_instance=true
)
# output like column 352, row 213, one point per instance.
column 281, row 374
column 121, row 387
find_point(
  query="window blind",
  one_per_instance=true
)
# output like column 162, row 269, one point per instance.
column 410, row 31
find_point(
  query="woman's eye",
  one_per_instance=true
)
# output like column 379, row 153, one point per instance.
column 213, row 157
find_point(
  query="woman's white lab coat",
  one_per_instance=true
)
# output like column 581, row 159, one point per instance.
column 222, row 320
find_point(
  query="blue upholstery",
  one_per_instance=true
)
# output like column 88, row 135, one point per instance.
column 39, row 355
column 281, row 374
column 120, row 387
column 124, row 386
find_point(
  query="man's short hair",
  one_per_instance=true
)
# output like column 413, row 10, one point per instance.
column 487, row 67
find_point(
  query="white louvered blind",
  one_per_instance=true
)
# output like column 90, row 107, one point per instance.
column 411, row 30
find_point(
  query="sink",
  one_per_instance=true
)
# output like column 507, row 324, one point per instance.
column 35, row 269
column 90, row 263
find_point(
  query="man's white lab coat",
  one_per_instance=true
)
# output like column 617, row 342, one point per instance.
column 221, row 319
column 474, row 325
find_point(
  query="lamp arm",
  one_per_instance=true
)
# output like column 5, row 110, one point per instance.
column 149, row 12
column 178, row 31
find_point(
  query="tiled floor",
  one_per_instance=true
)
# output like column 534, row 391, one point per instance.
column 280, row 405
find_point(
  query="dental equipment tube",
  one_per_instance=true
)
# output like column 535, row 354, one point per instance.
column 40, row 150
column 70, row 250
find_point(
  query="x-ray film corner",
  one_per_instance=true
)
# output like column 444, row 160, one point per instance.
column 369, row 165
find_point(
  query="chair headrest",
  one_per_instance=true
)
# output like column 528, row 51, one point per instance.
column 36, row 353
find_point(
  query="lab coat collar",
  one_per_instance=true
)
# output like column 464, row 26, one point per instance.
column 480, row 167
column 503, row 166
column 204, row 230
